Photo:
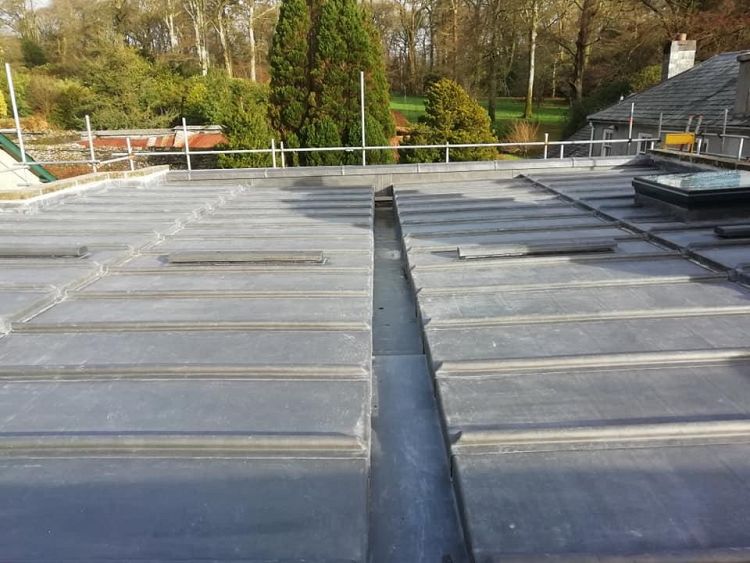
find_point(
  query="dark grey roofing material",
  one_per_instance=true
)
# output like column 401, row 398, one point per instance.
column 597, row 405
column 158, row 411
column 706, row 89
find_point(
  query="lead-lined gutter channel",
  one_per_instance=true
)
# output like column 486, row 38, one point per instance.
column 413, row 515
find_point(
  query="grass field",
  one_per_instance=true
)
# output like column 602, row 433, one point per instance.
column 551, row 115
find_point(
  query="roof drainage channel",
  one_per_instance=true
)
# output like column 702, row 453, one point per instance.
column 590, row 395
column 223, row 407
column 413, row 509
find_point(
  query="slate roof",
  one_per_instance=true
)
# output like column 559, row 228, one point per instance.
column 708, row 89
column 597, row 404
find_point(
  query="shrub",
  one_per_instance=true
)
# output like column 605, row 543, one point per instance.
column 451, row 116
column 73, row 103
column 522, row 131
column 44, row 93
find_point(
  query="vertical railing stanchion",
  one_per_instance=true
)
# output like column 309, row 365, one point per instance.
column 546, row 144
column 187, row 147
column 562, row 151
column 591, row 139
column 130, row 153
column 661, row 123
column 16, row 118
column 447, row 151
column 739, row 151
column 698, row 147
column 273, row 152
column 90, row 136
column 362, row 111
column 630, row 127
column 283, row 159
column 724, row 128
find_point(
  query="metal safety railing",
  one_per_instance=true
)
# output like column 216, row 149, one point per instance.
column 278, row 153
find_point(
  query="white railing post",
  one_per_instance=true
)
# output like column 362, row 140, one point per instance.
column 130, row 153
column 362, row 112
column 546, row 144
column 283, row 159
column 739, row 151
column 661, row 122
column 698, row 147
column 630, row 126
column 90, row 135
column 273, row 152
column 724, row 128
column 591, row 140
column 16, row 118
column 447, row 151
column 187, row 147
column 562, row 151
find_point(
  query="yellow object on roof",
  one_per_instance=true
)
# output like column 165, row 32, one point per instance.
column 680, row 139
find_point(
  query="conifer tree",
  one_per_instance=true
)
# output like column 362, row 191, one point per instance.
column 451, row 116
column 340, row 44
column 289, row 69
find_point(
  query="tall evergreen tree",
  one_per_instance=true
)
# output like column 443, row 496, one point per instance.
column 290, row 74
column 340, row 43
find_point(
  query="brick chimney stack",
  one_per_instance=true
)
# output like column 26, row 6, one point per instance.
column 742, row 100
column 679, row 56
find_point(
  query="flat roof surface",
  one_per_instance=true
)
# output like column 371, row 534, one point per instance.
column 152, row 410
column 199, row 383
column 595, row 398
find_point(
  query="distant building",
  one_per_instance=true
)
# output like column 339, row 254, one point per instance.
column 712, row 97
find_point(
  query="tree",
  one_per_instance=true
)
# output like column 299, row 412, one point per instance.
column 318, row 53
column 586, row 37
column 290, row 76
column 198, row 12
column 239, row 106
column 533, row 14
column 451, row 116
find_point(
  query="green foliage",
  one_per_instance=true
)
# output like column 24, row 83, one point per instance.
column 44, row 92
column 74, row 102
column 32, row 53
column 374, row 136
column 3, row 106
column 240, row 107
column 289, row 69
column 645, row 78
column 292, row 142
column 316, row 61
column 451, row 116
column 129, row 90
column 21, row 80
column 421, row 134
column 322, row 133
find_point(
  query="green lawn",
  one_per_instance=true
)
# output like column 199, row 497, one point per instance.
column 551, row 115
